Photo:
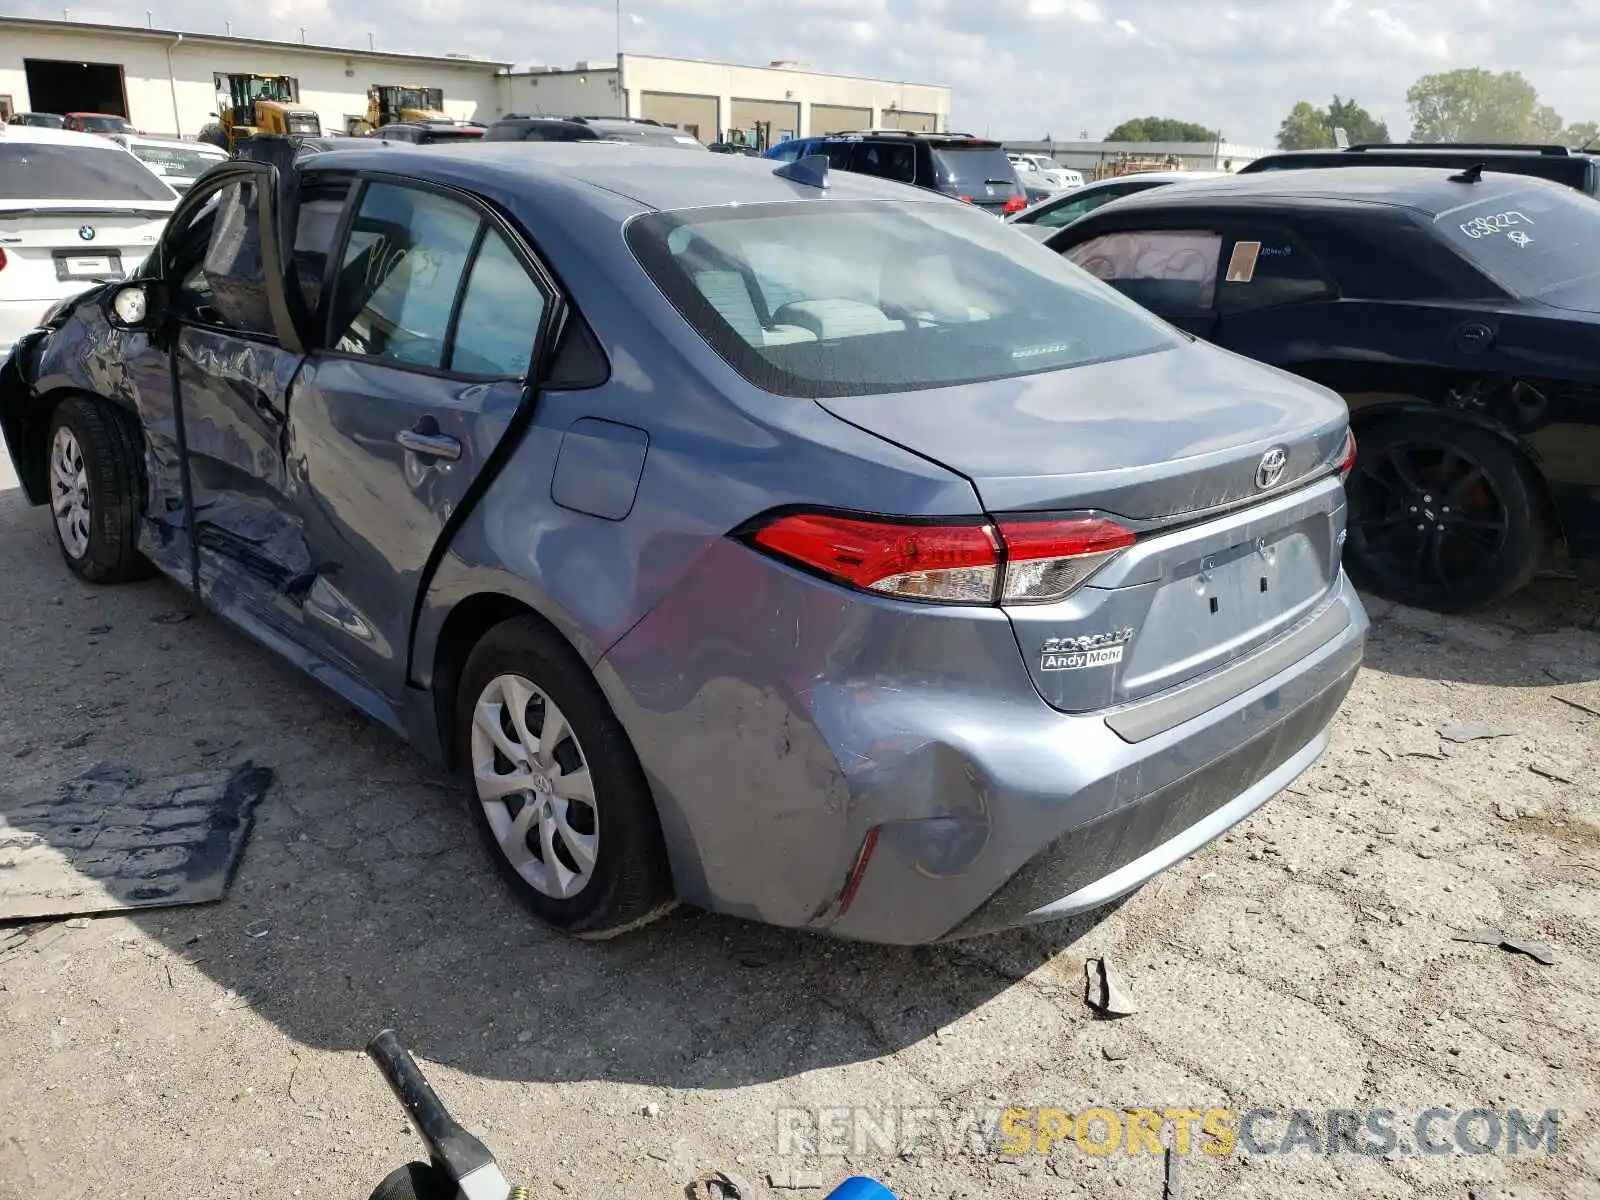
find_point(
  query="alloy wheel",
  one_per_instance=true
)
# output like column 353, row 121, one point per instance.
column 1426, row 518
column 69, row 492
column 535, row 787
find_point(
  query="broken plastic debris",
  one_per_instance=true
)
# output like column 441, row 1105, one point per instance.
column 1104, row 991
column 1537, row 951
column 720, row 1185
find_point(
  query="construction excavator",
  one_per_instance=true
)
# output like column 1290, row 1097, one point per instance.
column 252, row 104
column 393, row 103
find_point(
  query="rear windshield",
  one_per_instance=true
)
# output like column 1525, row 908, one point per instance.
column 849, row 298
column 1530, row 242
column 181, row 161
column 106, row 124
column 30, row 171
column 974, row 165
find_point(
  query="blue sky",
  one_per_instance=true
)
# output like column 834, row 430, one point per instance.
column 1020, row 68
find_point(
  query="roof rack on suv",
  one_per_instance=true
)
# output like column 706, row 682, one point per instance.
column 1510, row 147
column 906, row 133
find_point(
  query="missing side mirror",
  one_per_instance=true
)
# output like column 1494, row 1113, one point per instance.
column 133, row 306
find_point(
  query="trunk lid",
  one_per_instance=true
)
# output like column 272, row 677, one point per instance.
column 58, row 249
column 1171, row 443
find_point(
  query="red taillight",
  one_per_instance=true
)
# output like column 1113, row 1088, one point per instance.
column 2, row 260
column 1015, row 205
column 965, row 199
column 1012, row 562
column 1348, row 462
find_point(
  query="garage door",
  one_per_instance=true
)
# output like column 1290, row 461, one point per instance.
column 920, row 122
column 63, row 87
column 692, row 114
column 780, row 120
column 836, row 118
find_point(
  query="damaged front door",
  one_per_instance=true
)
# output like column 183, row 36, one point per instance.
column 233, row 359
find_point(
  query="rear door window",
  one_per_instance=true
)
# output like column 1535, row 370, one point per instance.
column 886, row 160
column 36, row 171
column 401, row 269
column 500, row 314
column 1266, row 269
column 1169, row 271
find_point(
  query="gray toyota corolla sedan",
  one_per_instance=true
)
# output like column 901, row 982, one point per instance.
column 799, row 545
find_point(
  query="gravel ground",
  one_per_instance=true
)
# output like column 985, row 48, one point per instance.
column 1305, row 960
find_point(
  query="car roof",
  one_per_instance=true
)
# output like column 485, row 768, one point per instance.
column 64, row 137
column 1427, row 190
column 655, row 177
column 130, row 139
column 91, row 113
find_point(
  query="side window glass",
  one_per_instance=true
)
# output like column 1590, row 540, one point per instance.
column 898, row 162
column 222, row 281
column 838, row 154
column 316, row 229
column 500, row 314
column 1268, row 270
column 788, row 151
column 398, row 280
column 1066, row 214
column 1166, row 270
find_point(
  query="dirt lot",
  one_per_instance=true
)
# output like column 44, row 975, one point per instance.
column 1306, row 960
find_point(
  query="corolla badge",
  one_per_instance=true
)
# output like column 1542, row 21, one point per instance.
column 1089, row 650
column 86, row 232
column 1269, row 471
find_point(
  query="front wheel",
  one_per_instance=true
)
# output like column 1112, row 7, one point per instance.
column 96, row 475
column 1443, row 515
column 560, row 797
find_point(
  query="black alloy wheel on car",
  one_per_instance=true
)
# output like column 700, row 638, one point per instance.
column 1443, row 515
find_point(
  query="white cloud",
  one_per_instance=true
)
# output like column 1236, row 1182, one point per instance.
column 1020, row 68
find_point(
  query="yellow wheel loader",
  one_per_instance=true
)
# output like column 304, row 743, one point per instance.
column 252, row 104
column 392, row 103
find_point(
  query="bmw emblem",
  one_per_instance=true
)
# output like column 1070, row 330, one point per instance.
column 86, row 232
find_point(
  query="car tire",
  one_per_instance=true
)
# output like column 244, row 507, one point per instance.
column 1443, row 515
column 95, row 473
column 592, row 869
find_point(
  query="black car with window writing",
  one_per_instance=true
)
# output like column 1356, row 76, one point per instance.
column 1558, row 164
column 1457, row 312
column 973, row 170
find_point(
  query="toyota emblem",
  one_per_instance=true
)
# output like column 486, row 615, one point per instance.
column 86, row 232
column 1269, row 471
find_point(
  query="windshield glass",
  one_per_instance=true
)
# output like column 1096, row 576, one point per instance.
column 853, row 298
column 106, row 124
column 961, row 165
column 35, row 172
column 182, row 161
column 43, row 120
column 1529, row 242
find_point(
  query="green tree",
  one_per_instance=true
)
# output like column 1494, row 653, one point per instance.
column 1474, row 105
column 1580, row 133
column 1162, row 129
column 1308, row 127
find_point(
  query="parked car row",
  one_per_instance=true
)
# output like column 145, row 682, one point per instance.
column 775, row 538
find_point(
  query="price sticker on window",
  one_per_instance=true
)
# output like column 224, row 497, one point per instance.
column 1242, row 263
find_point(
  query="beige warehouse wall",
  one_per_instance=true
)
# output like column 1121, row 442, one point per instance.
column 697, row 114
column 470, row 90
column 835, row 118
column 918, row 122
column 783, row 117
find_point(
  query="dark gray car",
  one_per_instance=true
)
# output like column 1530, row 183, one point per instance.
column 797, row 544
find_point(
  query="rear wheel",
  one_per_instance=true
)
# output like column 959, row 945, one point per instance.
column 1443, row 515
column 96, row 476
column 560, row 797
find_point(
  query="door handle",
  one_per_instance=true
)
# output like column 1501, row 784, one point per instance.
column 432, row 445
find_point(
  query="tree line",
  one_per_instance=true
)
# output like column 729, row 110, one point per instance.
column 1465, row 105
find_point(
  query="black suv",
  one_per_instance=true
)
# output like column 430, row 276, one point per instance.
column 1555, row 163
column 970, row 169
column 428, row 133
column 513, row 127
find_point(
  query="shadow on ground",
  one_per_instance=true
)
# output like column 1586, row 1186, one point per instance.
column 365, row 899
column 1552, row 628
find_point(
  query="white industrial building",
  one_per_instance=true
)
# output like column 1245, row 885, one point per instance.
column 167, row 81
column 723, row 101
column 164, row 81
